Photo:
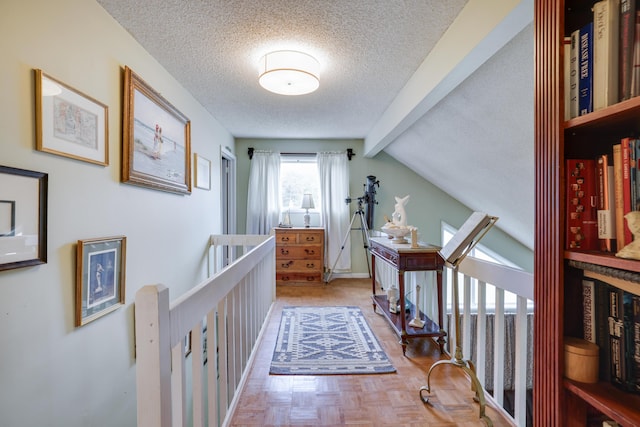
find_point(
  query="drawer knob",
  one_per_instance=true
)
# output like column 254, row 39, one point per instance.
column 286, row 264
column 284, row 239
column 310, row 251
column 310, row 265
column 284, row 251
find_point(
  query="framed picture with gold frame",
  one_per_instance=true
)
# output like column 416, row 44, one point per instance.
column 100, row 277
column 156, row 142
column 70, row 123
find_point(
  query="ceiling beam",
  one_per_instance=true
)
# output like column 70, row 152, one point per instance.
column 481, row 29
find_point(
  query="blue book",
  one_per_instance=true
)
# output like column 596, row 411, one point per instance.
column 585, row 58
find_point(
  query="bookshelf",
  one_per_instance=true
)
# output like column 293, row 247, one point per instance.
column 557, row 282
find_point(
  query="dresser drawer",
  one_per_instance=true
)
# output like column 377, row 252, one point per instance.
column 299, row 265
column 292, row 277
column 299, row 252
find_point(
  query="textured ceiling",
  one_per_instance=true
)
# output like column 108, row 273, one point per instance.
column 476, row 143
column 367, row 49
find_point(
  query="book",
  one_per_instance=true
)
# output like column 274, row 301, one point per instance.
column 601, row 297
column 585, row 80
column 626, row 144
column 589, row 310
column 606, row 14
column 581, row 205
column 606, row 203
column 635, row 74
column 617, row 337
column 635, row 380
column 618, row 194
column 573, row 74
column 625, row 47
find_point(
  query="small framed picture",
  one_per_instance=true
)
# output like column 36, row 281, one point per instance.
column 70, row 123
column 156, row 141
column 202, row 172
column 187, row 344
column 100, row 277
column 23, row 218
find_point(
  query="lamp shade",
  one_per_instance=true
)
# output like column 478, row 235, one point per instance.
column 307, row 202
column 289, row 72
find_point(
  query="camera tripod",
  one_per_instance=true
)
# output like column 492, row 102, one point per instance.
column 359, row 213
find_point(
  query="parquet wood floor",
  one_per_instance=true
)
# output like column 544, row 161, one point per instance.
column 356, row 400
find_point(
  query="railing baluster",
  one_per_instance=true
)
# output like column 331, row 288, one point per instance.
column 466, row 319
column 481, row 332
column 498, row 348
column 520, row 413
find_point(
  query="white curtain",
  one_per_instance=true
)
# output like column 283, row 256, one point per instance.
column 334, row 216
column 263, row 196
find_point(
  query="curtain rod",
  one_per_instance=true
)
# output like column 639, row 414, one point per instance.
column 350, row 153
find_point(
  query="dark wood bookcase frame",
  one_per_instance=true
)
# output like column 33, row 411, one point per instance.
column 558, row 401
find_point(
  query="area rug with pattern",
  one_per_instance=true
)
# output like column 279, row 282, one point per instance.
column 327, row 341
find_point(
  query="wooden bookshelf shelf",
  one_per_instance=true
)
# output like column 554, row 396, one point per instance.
column 611, row 401
column 604, row 259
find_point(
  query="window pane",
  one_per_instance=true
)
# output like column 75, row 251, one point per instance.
column 298, row 175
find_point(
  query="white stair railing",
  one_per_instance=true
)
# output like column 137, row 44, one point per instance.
column 477, row 277
column 224, row 315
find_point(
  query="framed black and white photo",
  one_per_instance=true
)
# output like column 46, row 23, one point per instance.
column 23, row 218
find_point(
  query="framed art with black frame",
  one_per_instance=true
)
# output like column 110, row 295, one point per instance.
column 23, row 217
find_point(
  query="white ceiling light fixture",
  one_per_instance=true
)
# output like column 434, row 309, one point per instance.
column 289, row 72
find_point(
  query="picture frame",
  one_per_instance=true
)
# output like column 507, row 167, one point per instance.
column 202, row 172
column 70, row 123
column 187, row 344
column 156, row 142
column 23, row 217
column 100, row 277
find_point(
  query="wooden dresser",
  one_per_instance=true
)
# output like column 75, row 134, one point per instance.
column 299, row 255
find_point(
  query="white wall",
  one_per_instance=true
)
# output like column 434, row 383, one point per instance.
column 52, row 373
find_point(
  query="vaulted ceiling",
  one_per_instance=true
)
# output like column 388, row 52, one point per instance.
column 445, row 87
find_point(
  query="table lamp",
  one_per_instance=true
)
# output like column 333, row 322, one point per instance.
column 307, row 203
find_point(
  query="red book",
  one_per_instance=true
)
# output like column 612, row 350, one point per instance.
column 582, row 219
column 606, row 204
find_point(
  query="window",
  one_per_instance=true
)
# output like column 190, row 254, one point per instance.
column 298, row 175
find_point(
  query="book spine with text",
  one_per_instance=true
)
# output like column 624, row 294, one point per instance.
column 574, row 73
column 606, row 204
column 618, row 194
column 589, row 310
column 616, row 337
column 602, row 329
column 585, row 81
column 606, row 15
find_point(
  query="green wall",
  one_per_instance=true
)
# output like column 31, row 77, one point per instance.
column 427, row 208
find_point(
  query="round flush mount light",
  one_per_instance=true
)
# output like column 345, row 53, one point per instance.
column 289, row 72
